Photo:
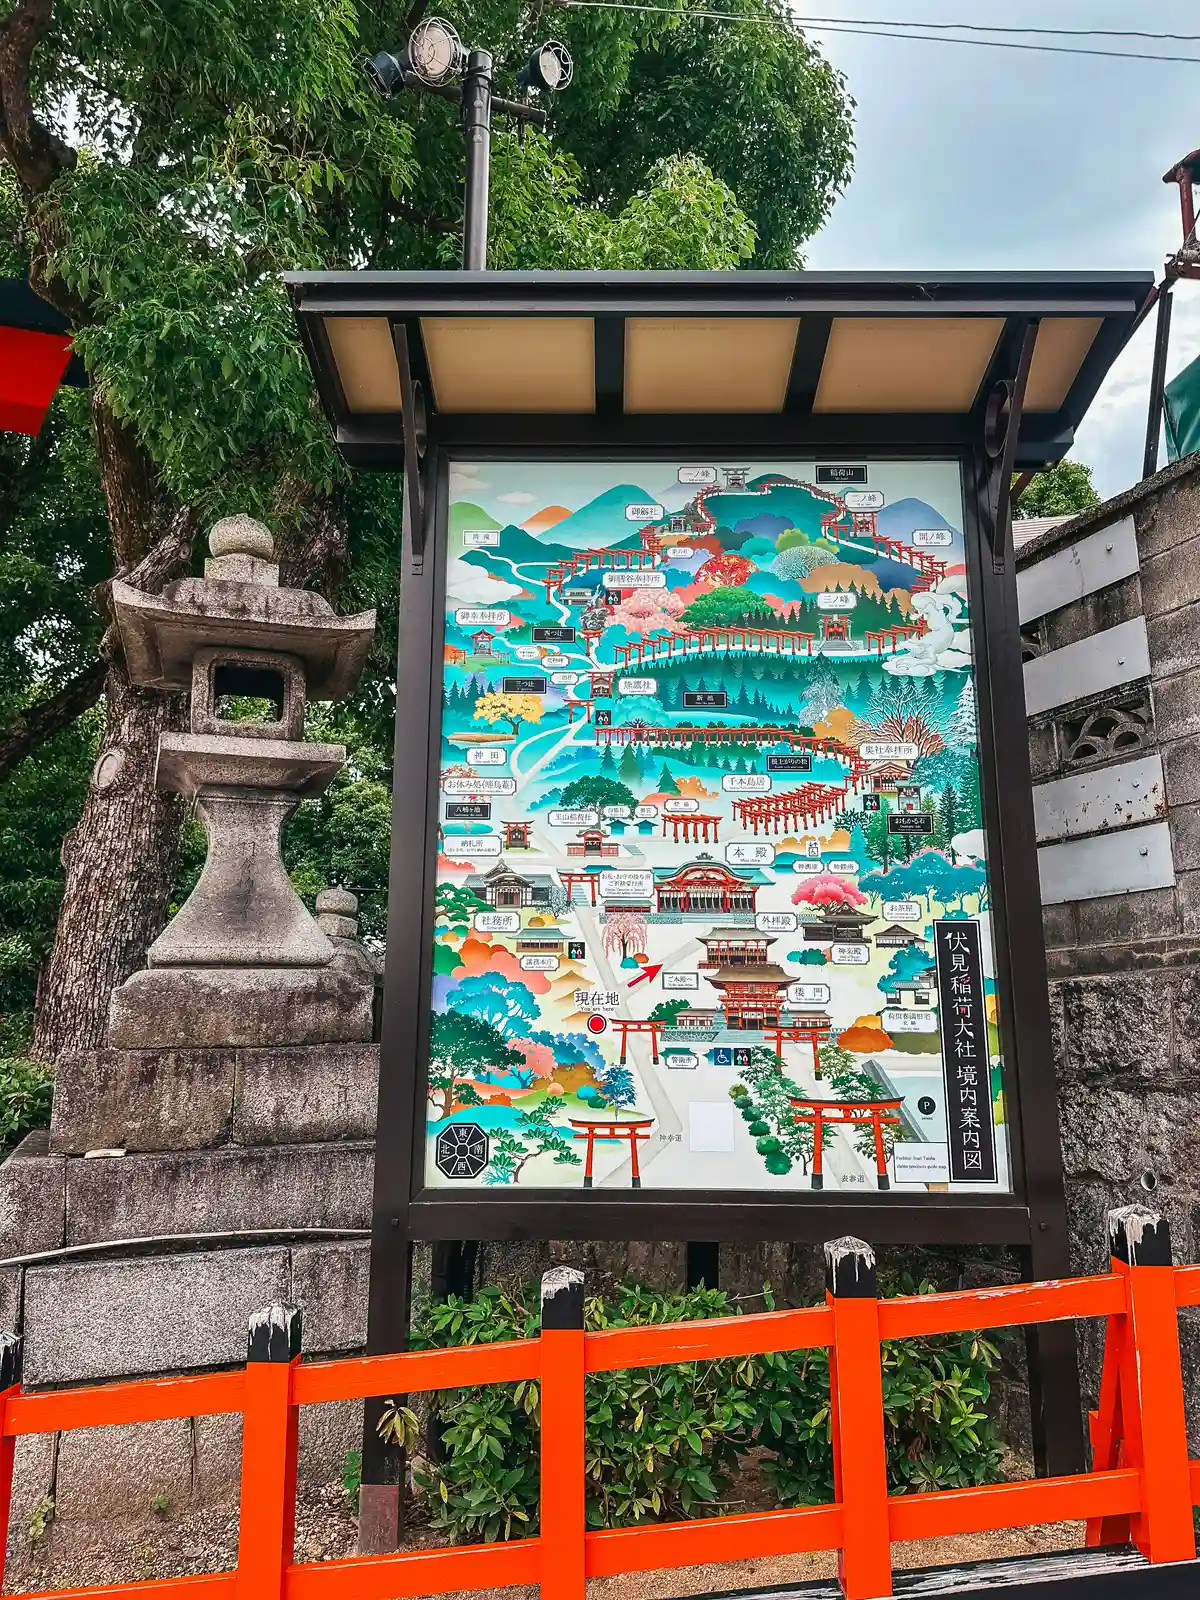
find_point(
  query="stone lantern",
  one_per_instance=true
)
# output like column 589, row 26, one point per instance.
column 242, row 962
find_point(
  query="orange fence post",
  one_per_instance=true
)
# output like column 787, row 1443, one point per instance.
column 562, row 1457
column 1150, row 1383
column 267, row 1531
column 11, row 1350
column 856, row 1399
column 1104, row 1434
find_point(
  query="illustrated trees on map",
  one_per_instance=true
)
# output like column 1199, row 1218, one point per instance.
column 597, row 791
column 668, row 1010
column 826, row 890
column 626, row 931
column 508, row 1007
column 628, row 768
column 763, row 1097
column 906, row 966
column 463, row 1046
column 727, row 607
column 666, row 783
column 963, row 726
column 797, row 561
column 619, row 1087
column 823, row 690
column 514, row 709
column 929, row 876
column 854, row 1080
column 533, row 1134
column 454, row 907
column 647, row 611
column 726, row 571
column 904, row 710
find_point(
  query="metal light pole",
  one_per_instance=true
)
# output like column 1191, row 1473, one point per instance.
column 435, row 53
column 477, row 131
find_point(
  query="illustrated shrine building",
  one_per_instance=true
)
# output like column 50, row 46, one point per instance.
column 887, row 777
column 704, row 887
column 838, row 925
column 504, row 888
column 541, row 942
column 894, row 937
column 753, row 995
column 735, row 947
column 835, row 628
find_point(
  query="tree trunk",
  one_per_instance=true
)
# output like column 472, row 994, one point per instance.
column 120, row 864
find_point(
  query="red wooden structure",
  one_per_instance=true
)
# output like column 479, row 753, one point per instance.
column 813, row 803
column 585, row 560
column 1141, row 1488
column 631, row 1132
column 665, row 646
column 875, row 1114
column 587, row 879
column 694, row 826
column 516, row 835
column 578, row 702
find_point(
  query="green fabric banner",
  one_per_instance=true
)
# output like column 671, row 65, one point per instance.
column 1182, row 409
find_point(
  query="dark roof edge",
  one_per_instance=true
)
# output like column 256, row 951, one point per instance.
column 1107, row 512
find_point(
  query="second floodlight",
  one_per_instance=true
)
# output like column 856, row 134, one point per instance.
column 550, row 67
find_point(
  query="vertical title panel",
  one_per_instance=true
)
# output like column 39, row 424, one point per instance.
column 709, row 818
column 965, row 1052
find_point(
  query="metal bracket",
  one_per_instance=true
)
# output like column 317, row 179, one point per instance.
column 413, row 420
column 1003, row 410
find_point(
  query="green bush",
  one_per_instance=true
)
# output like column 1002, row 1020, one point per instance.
column 667, row 1442
column 26, row 1092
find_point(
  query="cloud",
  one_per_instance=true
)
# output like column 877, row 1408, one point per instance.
column 518, row 497
column 472, row 585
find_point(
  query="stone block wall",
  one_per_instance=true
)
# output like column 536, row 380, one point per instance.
column 1116, row 768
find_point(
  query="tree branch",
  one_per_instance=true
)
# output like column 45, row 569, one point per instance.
column 37, row 155
column 42, row 721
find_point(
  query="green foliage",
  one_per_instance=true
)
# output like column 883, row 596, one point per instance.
column 668, row 1442
column 597, row 791
column 217, row 146
column 352, row 1478
column 725, row 607
column 26, row 1091
column 1060, row 491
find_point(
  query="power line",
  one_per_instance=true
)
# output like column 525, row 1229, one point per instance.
column 807, row 24
column 1001, row 27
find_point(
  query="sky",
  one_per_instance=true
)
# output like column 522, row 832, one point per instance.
column 994, row 159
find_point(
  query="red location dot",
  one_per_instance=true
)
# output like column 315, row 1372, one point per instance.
column 596, row 1024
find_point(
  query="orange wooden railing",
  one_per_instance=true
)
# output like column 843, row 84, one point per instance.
column 1141, row 1488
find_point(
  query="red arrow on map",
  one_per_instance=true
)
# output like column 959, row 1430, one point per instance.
column 646, row 975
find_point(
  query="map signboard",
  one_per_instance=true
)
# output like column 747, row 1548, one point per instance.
column 712, row 901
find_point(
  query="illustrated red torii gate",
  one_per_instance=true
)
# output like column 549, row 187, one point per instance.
column 821, row 1114
column 631, row 1132
column 693, row 824
column 570, row 879
column 814, row 802
column 665, row 646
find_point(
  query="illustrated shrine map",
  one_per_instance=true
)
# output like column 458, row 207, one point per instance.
column 712, row 896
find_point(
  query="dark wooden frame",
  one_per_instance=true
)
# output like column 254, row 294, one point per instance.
column 1001, row 1219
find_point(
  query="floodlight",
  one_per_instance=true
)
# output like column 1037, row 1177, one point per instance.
column 435, row 50
column 549, row 67
column 385, row 73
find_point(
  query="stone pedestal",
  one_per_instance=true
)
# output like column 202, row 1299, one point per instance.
column 244, row 911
